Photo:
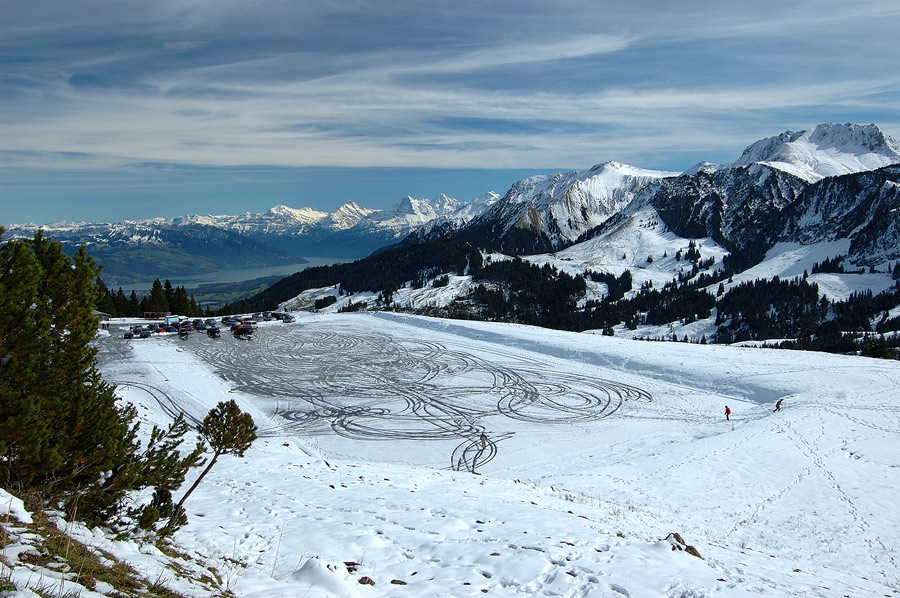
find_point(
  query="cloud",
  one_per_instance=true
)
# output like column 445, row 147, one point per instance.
column 523, row 53
column 183, row 45
column 467, row 85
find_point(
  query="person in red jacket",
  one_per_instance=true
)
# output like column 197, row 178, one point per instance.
column 727, row 412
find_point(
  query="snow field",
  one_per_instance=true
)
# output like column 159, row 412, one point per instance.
column 790, row 503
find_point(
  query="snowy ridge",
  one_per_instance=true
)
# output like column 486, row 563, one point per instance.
column 824, row 151
column 280, row 219
column 556, row 209
column 347, row 216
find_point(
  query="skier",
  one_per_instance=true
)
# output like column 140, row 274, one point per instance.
column 727, row 412
column 778, row 405
column 483, row 441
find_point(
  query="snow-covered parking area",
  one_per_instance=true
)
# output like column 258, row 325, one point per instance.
column 596, row 449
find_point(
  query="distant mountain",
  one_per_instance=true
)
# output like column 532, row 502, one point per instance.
column 282, row 220
column 777, row 192
column 450, row 224
column 833, row 182
column 861, row 207
column 135, row 250
column 176, row 247
column 739, row 207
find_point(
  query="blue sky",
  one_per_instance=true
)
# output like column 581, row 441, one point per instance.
column 112, row 110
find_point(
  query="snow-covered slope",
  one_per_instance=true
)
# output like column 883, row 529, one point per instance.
column 596, row 450
column 824, row 151
column 641, row 244
column 546, row 212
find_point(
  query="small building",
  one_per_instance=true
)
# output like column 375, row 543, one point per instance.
column 102, row 317
column 156, row 315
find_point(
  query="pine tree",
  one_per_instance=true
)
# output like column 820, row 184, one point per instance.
column 164, row 468
column 169, row 292
column 228, row 430
column 157, row 301
column 62, row 434
column 134, row 306
column 180, row 304
column 59, row 424
column 106, row 300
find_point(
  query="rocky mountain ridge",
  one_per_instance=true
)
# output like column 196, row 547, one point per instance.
column 746, row 206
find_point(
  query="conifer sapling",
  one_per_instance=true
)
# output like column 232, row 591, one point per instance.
column 228, row 430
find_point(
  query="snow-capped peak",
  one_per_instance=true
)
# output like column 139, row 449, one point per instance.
column 412, row 211
column 826, row 150
column 348, row 216
column 704, row 166
column 300, row 216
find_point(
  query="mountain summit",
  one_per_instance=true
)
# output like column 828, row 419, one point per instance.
column 827, row 150
column 547, row 212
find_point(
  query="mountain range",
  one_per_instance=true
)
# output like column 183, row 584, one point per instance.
column 831, row 182
column 134, row 250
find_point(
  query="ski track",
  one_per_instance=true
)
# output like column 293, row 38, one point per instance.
column 372, row 386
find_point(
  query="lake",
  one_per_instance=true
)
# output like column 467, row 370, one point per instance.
column 234, row 275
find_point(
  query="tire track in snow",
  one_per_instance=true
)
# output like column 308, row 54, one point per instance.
column 368, row 385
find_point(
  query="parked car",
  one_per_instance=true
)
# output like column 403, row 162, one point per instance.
column 213, row 332
column 242, row 333
column 287, row 318
column 146, row 334
column 129, row 335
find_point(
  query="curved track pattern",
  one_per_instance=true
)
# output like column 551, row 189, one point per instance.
column 368, row 385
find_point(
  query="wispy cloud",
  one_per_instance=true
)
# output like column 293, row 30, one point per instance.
column 498, row 55
column 404, row 84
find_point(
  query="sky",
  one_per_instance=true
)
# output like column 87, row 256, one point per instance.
column 112, row 110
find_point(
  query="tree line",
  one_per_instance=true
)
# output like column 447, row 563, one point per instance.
column 385, row 271
column 515, row 290
column 163, row 297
